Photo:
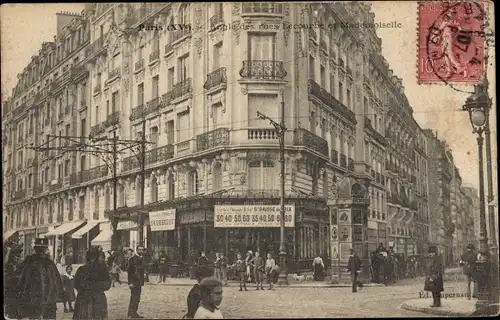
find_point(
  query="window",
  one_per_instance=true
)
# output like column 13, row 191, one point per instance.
column 171, row 78
column 314, row 180
column 155, row 87
column 183, row 68
column 323, row 77
column 154, row 190
column 183, row 14
column 348, row 98
column 217, row 177
column 261, row 175
column 262, row 47
column 107, row 107
column 154, row 136
column 312, row 68
column 341, row 92
column 96, row 114
column 83, row 165
column 217, row 55
column 183, row 127
column 66, row 167
column 60, row 171
column 96, row 205
column 107, row 198
column 68, row 128
column 115, row 101
column 121, row 199
column 313, row 122
column 170, row 132
column 323, row 128
column 193, row 183
column 156, row 42
column 171, row 187
column 83, row 125
column 140, row 94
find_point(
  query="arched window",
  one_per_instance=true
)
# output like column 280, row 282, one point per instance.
column 217, row 177
column 193, row 183
column 154, row 190
column 325, row 185
column 261, row 175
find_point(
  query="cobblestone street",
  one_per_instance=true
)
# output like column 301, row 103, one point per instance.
column 169, row 302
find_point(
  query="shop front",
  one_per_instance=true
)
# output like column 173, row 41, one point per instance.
column 60, row 239
column 81, row 241
column 162, row 234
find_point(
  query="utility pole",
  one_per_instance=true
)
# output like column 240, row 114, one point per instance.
column 280, row 130
column 114, row 239
column 143, row 184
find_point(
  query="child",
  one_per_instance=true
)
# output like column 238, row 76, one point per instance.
column 270, row 266
column 115, row 274
column 240, row 267
column 69, row 288
column 194, row 297
column 211, row 292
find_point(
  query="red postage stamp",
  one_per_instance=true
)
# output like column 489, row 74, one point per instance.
column 451, row 42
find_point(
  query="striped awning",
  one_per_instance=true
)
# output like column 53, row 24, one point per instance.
column 65, row 228
column 103, row 237
column 78, row 234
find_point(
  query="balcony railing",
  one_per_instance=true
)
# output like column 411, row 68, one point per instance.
column 56, row 186
column 113, row 119
column 130, row 163
column 179, row 34
column 263, row 70
column 98, row 129
column 178, row 90
column 212, row 139
column 144, row 11
column 113, row 74
column 305, row 138
column 139, row 65
column 97, row 89
column 343, row 161
column 154, row 56
column 335, row 156
column 67, row 109
column 18, row 195
column 169, row 47
column 98, row 172
column 315, row 90
column 215, row 78
column 323, row 46
column 217, row 19
column 262, row 193
column 95, row 47
column 262, row 134
column 159, row 154
column 267, row 8
column 313, row 35
column 350, row 164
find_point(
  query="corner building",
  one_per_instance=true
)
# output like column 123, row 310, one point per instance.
column 194, row 93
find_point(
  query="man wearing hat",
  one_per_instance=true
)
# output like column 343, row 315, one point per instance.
column 434, row 277
column 354, row 267
column 40, row 284
column 12, row 273
column 467, row 262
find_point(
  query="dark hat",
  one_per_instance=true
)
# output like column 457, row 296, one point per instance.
column 351, row 250
column 41, row 242
column 433, row 249
column 471, row 246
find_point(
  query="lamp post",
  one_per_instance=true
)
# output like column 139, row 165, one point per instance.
column 476, row 105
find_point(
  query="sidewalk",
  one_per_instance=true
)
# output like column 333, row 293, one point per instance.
column 449, row 307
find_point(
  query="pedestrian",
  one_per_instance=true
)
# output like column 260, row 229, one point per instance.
column 434, row 277
column 194, row 297
column 91, row 281
column 163, row 266
column 259, row 269
column 240, row 266
column 354, row 267
column 223, row 268
column 217, row 267
column 135, row 270
column 115, row 271
column 202, row 260
column 467, row 262
column 148, row 263
column 211, row 293
column 12, row 273
column 318, row 268
column 69, row 288
column 40, row 284
column 269, row 267
column 68, row 260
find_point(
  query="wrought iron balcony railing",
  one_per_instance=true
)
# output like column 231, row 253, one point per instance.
column 113, row 119
column 169, row 47
column 139, row 65
column 56, row 186
column 144, row 11
column 179, row 34
column 130, row 163
column 335, row 156
column 113, row 74
column 154, row 56
column 137, row 113
column 215, row 78
column 95, row 47
column 305, row 138
column 179, row 90
column 259, row 8
column 217, row 19
column 159, row 154
column 262, row 193
column 343, row 161
column 212, row 139
column 263, row 70
column 18, row 195
column 98, row 129
column 350, row 164
column 315, row 90
column 323, row 46
column 98, row 172
column 97, row 88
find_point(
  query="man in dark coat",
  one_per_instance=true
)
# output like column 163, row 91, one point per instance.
column 434, row 277
column 354, row 267
column 467, row 262
column 40, row 284
column 202, row 260
column 194, row 297
column 12, row 273
column 163, row 266
column 135, row 270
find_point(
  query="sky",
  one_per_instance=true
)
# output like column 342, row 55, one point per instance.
column 23, row 28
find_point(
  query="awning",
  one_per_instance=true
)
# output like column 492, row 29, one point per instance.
column 103, row 237
column 8, row 234
column 63, row 229
column 83, row 230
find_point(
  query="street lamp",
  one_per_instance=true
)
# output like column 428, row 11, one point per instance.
column 477, row 106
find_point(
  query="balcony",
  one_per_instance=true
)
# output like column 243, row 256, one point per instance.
column 95, row 215
column 143, row 111
column 130, row 163
column 178, row 91
column 67, row 110
column 37, row 189
column 262, row 193
column 98, row 129
column 350, row 164
column 378, row 178
column 335, row 156
column 349, row 72
column 139, row 65
column 372, row 173
column 323, row 46
column 146, row 11
column 305, row 138
column 18, row 195
column 55, row 186
column 262, row 134
column 343, row 161
column 169, row 48
column 137, row 113
column 79, row 71
column 112, row 119
column 98, row 172
column 95, row 48
column 315, row 90
column 313, row 35
column 263, row 70
column 212, row 139
column 154, row 56
column 159, row 154
column 97, row 89
column 114, row 74
column 262, row 8
column 180, row 34
column 216, row 20
column 216, row 78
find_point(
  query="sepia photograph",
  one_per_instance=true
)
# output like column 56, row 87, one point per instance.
column 239, row 160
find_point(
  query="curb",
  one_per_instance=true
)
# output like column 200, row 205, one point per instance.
column 326, row 285
column 429, row 310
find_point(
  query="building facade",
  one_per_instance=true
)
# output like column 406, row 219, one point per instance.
column 192, row 92
column 473, row 210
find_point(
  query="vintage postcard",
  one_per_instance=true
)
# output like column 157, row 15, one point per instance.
column 249, row 160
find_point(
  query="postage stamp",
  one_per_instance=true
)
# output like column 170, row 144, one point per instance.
column 451, row 42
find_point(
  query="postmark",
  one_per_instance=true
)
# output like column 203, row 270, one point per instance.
column 451, row 42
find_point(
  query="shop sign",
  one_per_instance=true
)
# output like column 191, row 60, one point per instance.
column 252, row 216
column 126, row 225
column 162, row 220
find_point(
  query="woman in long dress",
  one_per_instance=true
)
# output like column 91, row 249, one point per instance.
column 318, row 268
column 91, row 281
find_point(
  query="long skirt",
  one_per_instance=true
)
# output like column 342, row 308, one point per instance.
column 91, row 305
column 318, row 272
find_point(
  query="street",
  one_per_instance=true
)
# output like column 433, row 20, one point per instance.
column 169, row 302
